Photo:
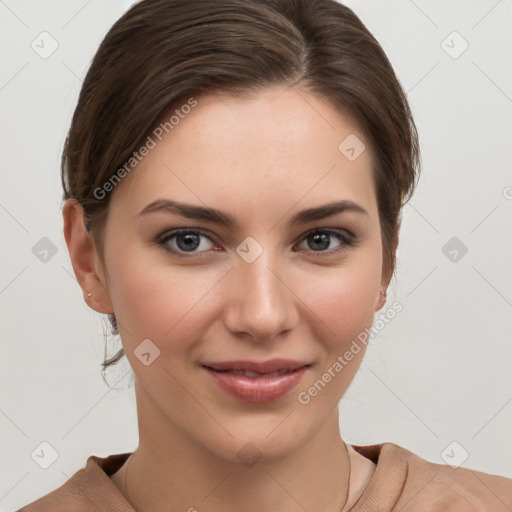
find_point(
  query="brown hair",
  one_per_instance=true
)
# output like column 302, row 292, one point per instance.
column 161, row 52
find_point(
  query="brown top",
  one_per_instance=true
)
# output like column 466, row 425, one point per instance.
column 402, row 481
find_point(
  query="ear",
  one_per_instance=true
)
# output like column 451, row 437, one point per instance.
column 84, row 258
column 387, row 273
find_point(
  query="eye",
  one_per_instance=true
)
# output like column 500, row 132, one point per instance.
column 320, row 239
column 184, row 241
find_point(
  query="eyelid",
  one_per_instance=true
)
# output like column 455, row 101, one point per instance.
column 177, row 231
column 333, row 231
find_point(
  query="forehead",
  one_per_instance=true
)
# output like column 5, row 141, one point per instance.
column 278, row 145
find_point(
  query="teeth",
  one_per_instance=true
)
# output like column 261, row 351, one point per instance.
column 246, row 373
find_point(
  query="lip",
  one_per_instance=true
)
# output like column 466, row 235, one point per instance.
column 257, row 389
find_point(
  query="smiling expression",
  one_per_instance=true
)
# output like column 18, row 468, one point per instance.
column 245, row 235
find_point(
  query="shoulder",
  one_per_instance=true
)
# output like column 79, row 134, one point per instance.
column 90, row 489
column 412, row 483
column 67, row 495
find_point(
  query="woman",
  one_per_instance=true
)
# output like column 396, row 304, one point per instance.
column 275, row 136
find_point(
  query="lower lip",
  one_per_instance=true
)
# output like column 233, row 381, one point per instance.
column 257, row 389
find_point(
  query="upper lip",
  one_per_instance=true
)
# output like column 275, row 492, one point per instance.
column 269, row 366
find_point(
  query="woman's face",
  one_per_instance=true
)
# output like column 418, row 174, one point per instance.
column 258, row 289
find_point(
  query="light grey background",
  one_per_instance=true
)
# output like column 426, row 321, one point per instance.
column 439, row 372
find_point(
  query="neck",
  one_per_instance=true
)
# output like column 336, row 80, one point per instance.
column 169, row 468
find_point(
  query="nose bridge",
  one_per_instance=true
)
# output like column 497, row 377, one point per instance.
column 262, row 305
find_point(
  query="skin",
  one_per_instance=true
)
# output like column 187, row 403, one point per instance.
column 261, row 158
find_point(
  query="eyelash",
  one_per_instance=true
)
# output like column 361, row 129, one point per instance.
column 347, row 239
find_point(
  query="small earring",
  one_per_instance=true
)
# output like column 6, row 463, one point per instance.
column 89, row 295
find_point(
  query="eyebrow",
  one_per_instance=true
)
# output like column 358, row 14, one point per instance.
column 220, row 217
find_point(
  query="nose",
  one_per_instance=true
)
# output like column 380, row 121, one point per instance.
column 261, row 303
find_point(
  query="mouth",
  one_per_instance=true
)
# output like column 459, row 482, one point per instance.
column 253, row 375
column 257, row 368
column 252, row 381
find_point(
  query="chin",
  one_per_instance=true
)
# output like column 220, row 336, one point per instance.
column 264, row 441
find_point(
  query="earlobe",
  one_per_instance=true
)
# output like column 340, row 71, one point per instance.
column 381, row 300
column 386, row 278
column 388, row 271
column 84, row 258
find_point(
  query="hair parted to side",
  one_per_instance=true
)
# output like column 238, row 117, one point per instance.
column 161, row 53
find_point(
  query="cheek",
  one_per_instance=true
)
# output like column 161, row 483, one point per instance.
column 344, row 303
column 157, row 301
column 344, row 297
